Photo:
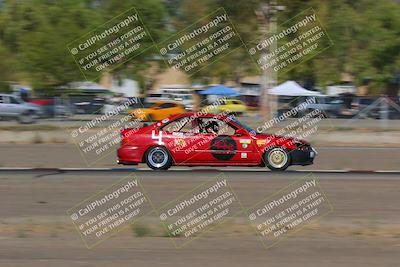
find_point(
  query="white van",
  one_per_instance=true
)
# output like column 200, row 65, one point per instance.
column 179, row 94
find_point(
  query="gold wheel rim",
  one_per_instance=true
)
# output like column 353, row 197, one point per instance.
column 277, row 158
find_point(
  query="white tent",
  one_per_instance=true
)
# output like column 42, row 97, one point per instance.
column 127, row 87
column 291, row 88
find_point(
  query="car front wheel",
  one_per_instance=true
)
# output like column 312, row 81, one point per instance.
column 277, row 159
column 158, row 158
column 27, row 117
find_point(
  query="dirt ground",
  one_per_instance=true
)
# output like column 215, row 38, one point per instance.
column 361, row 230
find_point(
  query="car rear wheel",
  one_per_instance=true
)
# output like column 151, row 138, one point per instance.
column 158, row 158
column 277, row 159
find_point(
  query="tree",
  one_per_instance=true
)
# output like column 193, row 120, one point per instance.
column 37, row 33
column 366, row 39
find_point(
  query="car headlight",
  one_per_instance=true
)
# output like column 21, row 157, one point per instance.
column 301, row 145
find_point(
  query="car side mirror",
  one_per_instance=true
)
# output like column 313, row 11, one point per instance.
column 240, row 132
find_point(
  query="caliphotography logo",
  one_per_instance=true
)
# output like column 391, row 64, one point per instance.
column 294, row 42
column 101, row 135
column 289, row 210
column 111, row 44
column 200, row 210
column 107, row 212
column 207, row 40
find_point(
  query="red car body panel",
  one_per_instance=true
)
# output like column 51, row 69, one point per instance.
column 197, row 149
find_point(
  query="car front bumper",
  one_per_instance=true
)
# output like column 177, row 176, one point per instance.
column 303, row 156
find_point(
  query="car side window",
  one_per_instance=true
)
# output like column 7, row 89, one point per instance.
column 182, row 125
column 168, row 105
column 1, row 99
column 215, row 126
column 13, row 100
column 189, row 128
column 6, row 100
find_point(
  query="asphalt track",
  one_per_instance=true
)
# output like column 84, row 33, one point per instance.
column 361, row 230
column 68, row 156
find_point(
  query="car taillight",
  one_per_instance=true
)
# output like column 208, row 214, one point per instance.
column 124, row 141
column 124, row 137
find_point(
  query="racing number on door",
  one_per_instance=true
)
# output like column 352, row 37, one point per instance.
column 157, row 137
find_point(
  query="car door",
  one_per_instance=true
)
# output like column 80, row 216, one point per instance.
column 6, row 108
column 224, row 145
column 239, row 106
column 163, row 111
column 169, row 109
column 180, row 138
column 15, row 106
column 229, row 107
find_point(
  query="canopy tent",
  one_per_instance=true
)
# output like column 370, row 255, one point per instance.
column 291, row 88
column 127, row 87
column 220, row 90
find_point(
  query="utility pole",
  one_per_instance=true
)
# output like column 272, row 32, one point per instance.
column 267, row 15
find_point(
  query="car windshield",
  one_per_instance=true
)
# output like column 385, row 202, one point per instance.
column 243, row 125
column 148, row 105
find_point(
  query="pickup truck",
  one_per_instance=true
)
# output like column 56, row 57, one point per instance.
column 12, row 107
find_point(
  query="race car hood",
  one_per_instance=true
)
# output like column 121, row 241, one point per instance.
column 271, row 139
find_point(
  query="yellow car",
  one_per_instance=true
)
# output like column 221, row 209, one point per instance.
column 156, row 111
column 231, row 106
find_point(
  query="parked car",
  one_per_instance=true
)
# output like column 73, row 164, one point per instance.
column 90, row 106
column 154, row 98
column 185, row 99
column 328, row 106
column 12, row 107
column 156, row 111
column 365, row 107
column 229, row 106
column 51, row 108
column 390, row 109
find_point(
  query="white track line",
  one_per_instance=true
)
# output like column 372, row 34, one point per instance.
column 85, row 169
column 16, row 169
column 189, row 169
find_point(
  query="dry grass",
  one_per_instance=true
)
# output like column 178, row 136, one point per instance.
column 229, row 229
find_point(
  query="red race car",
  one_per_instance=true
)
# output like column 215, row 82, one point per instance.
column 193, row 139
